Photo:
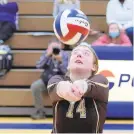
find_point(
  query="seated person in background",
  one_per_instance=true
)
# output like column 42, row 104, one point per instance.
column 115, row 37
column 54, row 61
column 121, row 12
column 61, row 5
column 8, row 19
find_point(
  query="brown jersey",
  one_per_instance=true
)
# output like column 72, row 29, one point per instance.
column 85, row 116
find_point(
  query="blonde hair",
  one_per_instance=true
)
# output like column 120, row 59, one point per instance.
column 95, row 61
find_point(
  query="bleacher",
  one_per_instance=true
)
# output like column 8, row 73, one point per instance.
column 36, row 16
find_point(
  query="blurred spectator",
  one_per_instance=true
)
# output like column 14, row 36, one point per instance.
column 61, row 5
column 113, row 38
column 121, row 12
column 8, row 19
column 54, row 61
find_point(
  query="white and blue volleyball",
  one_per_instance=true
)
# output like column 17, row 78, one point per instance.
column 71, row 26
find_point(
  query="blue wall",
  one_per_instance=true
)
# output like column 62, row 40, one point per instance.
column 117, row 109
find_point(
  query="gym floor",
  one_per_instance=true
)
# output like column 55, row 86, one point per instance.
column 25, row 125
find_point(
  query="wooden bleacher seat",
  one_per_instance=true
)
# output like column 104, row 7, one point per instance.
column 44, row 23
column 46, row 7
column 36, row 15
column 26, row 58
column 17, row 94
column 30, row 23
column 20, row 77
column 28, row 41
column 18, row 97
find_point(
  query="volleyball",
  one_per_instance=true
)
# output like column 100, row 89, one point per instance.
column 71, row 26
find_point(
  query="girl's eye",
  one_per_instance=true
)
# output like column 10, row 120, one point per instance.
column 86, row 54
column 75, row 52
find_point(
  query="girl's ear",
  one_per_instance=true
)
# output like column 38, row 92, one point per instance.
column 94, row 68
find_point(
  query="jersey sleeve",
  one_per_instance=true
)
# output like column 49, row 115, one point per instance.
column 51, row 87
column 98, row 88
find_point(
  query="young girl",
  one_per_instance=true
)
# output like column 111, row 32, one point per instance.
column 114, row 37
column 80, row 98
column 61, row 5
column 122, row 14
column 8, row 19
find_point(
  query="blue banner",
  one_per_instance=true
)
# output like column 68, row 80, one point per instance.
column 114, row 52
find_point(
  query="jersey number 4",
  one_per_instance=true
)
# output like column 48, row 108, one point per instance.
column 80, row 109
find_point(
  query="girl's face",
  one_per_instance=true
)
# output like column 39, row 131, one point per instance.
column 114, row 31
column 113, row 28
column 82, row 60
